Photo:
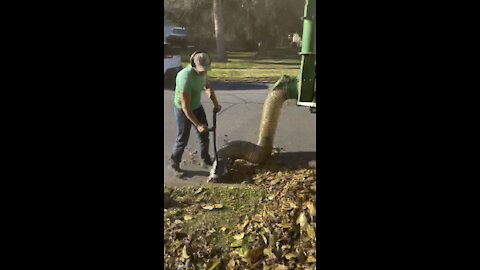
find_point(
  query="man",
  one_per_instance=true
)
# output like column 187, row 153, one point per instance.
column 188, row 110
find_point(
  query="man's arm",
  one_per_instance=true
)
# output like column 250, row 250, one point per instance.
column 211, row 94
column 185, row 99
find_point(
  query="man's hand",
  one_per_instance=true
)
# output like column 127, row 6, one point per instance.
column 217, row 108
column 202, row 128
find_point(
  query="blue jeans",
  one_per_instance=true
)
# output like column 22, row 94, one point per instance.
column 183, row 134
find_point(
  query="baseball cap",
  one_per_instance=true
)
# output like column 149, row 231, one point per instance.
column 202, row 62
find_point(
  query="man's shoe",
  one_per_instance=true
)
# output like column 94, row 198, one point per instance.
column 175, row 169
column 206, row 164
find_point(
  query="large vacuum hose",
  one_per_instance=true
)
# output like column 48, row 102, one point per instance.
column 255, row 153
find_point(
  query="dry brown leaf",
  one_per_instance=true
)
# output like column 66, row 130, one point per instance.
column 242, row 226
column 268, row 252
column 310, row 232
column 264, row 238
column 274, row 182
column 231, row 264
column 218, row 205
column 292, row 204
column 178, row 221
column 290, row 256
column 311, row 209
column 302, row 220
column 187, row 217
column 208, row 207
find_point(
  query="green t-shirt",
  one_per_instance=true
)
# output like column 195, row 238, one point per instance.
column 189, row 81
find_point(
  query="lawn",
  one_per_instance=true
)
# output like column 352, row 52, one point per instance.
column 249, row 67
column 266, row 223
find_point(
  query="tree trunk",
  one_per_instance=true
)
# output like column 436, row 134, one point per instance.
column 218, row 21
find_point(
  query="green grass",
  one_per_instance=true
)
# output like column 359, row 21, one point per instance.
column 237, row 202
column 250, row 67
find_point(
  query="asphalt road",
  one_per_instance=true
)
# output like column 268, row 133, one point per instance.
column 239, row 120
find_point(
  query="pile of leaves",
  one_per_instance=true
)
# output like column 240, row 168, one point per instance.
column 277, row 232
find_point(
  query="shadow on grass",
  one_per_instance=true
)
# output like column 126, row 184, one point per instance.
column 169, row 202
column 191, row 173
column 277, row 66
column 278, row 63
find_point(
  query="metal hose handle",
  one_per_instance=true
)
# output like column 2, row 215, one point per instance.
column 213, row 172
column 215, row 134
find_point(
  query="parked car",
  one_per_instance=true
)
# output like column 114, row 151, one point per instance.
column 177, row 36
column 172, row 64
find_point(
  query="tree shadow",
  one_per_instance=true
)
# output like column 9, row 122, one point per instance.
column 239, row 86
column 295, row 159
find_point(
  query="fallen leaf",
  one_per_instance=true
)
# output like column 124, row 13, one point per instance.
column 223, row 229
column 242, row 226
column 239, row 236
column 264, row 238
column 213, row 264
column 243, row 251
column 280, row 267
column 187, row 217
column 302, row 220
column 271, row 197
column 292, row 204
column 218, row 205
column 200, row 197
column 184, row 253
column 311, row 209
column 252, row 255
column 311, row 259
column 208, row 207
column 236, row 243
column 268, row 252
column 310, row 232
column 199, row 190
column 274, row 182
column 231, row 264
column 290, row 256
column 178, row 221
